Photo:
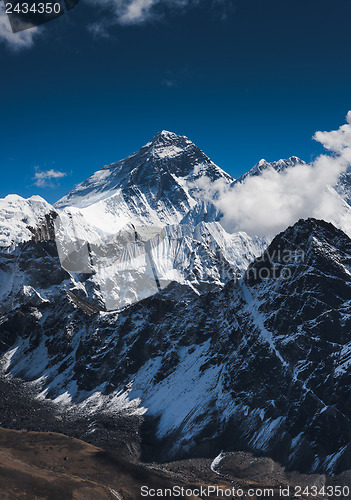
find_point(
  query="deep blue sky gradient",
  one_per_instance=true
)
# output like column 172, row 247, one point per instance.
column 257, row 85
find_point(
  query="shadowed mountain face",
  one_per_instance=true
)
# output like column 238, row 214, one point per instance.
column 217, row 342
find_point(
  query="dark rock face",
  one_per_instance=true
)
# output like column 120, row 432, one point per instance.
column 29, row 274
column 46, row 230
column 343, row 186
column 308, row 315
column 262, row 364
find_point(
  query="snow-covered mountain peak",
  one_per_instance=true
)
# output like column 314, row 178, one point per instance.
column 167, row 144
column 166, row 137
column 278, row 165
column 157, row 185
column 169, row 153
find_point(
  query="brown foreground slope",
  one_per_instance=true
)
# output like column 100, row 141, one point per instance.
column 36, row 465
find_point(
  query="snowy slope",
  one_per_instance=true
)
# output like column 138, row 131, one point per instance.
column 132, row 265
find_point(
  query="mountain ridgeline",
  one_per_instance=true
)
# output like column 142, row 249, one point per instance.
column 142, row 323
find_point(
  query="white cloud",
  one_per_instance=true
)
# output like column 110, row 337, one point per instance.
column 136, row 11
column 336, row 140
column 44, row 178
column 267, row 204
column 15, row 41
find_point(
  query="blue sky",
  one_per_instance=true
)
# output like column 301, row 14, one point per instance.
column 243, row 79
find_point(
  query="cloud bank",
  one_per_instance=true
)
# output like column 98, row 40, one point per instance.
column 265, row 205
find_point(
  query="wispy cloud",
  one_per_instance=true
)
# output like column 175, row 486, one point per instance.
column 173, row 78
column 15, row 41
column 268, row 203
column 99, row 29
column 137, row 11
column 132, row 12
column 168, row 82
column 46, row 178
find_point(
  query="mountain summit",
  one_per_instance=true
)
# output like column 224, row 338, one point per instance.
column 157, row 184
